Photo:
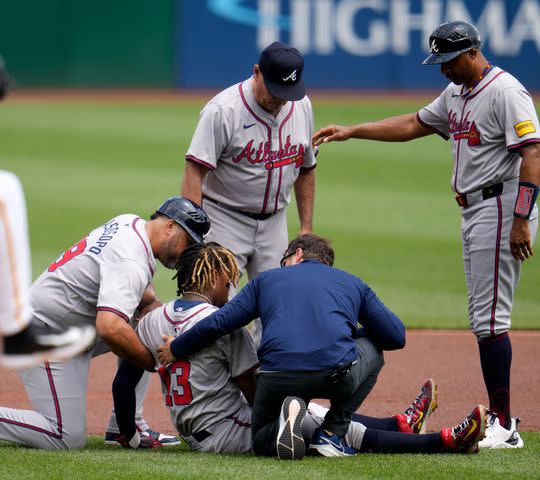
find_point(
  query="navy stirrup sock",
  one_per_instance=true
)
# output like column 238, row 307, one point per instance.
column 496, row 360
column 389, row 423
column 378, row 441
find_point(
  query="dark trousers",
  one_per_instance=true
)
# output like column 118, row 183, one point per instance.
column 345, row 395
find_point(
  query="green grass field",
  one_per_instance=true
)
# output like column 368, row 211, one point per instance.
column 387, row 207
column 97, row 461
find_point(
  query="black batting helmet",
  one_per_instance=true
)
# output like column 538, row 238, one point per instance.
column 192, row 218
column 450, row 40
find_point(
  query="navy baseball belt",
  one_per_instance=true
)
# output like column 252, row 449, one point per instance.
column 465, row 200
column 254, row 216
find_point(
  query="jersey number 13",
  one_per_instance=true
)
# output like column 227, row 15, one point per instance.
column 175, row 378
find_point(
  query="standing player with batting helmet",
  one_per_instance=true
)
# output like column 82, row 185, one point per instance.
column 251, row 147
column 492, row 124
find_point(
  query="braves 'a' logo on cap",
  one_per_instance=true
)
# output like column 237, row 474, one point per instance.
column 291, row 77
column 434, row 47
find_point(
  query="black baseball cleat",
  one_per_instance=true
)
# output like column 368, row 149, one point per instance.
column 290, row 444
column 38, row 343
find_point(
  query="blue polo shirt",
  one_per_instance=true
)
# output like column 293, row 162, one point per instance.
column 310, row 315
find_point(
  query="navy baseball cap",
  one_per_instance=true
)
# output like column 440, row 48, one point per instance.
column 281, row 67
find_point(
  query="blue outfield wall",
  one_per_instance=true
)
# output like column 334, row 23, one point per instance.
column 348, row 43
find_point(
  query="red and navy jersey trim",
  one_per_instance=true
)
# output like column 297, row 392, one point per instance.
column 470, row 97
column 269, row 131
column 144, row 245
column 433, row 129
column 179, row 322
column 113, row 310
column 517, row 146
column 239, row 422
column 194, row 159
column 285, row 120
column 59, row 433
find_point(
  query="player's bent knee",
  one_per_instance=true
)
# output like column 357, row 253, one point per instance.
column 75, row 437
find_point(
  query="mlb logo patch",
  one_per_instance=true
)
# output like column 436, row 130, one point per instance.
column 522, row 128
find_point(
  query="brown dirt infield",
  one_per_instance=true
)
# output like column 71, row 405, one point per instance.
column 450, row 357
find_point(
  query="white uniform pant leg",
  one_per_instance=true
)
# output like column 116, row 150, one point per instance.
column 57, row 392
column 140, row 395
column 491, row 272
column 314, row 419
column 15, row 266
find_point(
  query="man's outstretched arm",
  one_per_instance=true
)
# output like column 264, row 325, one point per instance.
column 393, row 129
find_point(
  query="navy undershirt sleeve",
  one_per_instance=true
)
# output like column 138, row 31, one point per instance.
column 127, row 378
column 382, row 326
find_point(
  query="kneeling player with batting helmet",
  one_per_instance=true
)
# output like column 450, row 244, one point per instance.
column 210, row 394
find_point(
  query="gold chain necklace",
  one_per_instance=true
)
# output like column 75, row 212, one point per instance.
column 199, row 295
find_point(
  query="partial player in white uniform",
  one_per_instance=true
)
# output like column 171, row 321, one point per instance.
column 493, row 127
column 209, row 394
column 25, row 344
column 252, row 145
column 101, row 280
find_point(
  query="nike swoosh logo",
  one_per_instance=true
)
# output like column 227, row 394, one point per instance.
column 248, row 126
column 341, row 448
column 456, row 95
column 475, row 424
column 420, row 416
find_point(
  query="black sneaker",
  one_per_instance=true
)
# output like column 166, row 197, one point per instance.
column 290, row 444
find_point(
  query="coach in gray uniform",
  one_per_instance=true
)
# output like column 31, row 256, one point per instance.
column 493, row 127
column 251, row 146
column 101, row 280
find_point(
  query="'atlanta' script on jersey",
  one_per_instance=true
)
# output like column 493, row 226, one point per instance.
column 464, row 129
column 286, row 155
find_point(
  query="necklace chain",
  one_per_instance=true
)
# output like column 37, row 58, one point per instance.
column 199, row 295
column 483, row 74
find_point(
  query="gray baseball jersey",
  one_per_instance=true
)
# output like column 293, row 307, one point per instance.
column 486, row 128
column 199, row 391
column 253, row 156
column 106, row 271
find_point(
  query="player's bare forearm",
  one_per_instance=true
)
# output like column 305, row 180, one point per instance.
column 192, row 182
column 400, row 128
column 520, row 235
column 123, row 340
column 304, row 191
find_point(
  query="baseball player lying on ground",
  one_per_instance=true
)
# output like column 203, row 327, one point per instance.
column 209, row 394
